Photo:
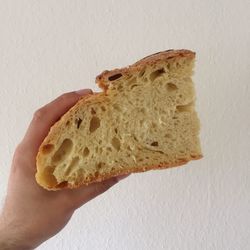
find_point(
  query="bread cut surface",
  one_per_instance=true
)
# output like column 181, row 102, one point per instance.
column 144, row 119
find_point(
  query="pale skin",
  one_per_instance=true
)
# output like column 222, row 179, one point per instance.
column 31, row 214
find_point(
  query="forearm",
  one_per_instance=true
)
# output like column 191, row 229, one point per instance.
column 11, row 243
column 12, row 237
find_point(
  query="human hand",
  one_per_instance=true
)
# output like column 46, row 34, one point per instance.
column 32, row 214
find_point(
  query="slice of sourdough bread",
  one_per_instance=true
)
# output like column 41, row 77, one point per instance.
column 144, row 119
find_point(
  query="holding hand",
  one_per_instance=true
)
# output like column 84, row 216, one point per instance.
column 32, row 214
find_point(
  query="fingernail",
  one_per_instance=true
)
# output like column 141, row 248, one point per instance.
column 121, row 177
column 84, row 91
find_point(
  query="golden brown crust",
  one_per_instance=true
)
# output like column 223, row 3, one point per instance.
column 104, row 177
column 107, row 75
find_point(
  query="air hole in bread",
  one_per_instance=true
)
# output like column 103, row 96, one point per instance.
column 63, row 151
column 114, row 77
column 116, row 143
column 155, row 144
column 100, row 165
column 93, row 112
column 62, row 184
column 135, row 138
column 103, row 108
column 88, row 178
column 109, row 149
column 154, row 125
column 143, row 110
column 161, row 152
column 185, row 108
column 73, row 164
column 171, row 87
column 85, row 152
column 47, row 148
column 48, row 176
column 94, row 124
column 116, row 130
column 168, row 135
column 142, row 72
column 133, row 86
column 120, row 87
column 117, row 107
column 78, row 122
column 157, row 74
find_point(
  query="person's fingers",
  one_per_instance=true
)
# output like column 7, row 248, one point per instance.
column 121, row 177
column 84, row 194
column 46, row 116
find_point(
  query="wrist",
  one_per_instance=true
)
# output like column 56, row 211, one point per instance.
column 12, row 237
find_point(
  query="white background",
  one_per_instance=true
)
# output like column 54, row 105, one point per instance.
column 49, row 47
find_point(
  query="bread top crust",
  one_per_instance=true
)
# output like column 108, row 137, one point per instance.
column 111, row 75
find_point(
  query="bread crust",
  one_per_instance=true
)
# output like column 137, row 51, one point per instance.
column 102, row 78
column 104, row 177
column 99, row 97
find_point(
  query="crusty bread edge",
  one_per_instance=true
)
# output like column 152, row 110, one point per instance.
column 102, row 78
column 100, row 178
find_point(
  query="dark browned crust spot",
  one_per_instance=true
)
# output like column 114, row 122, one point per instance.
column 103, row 78
column 115, row 77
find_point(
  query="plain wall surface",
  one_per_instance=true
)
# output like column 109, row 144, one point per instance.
column 51, row 47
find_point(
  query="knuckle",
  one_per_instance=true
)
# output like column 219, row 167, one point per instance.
column 18, row 151
column 39, row 114
column 19, row 154
column 67, row 96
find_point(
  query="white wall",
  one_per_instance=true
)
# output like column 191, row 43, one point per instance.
column 49, row 47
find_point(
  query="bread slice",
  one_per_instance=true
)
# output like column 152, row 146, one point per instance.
column 144, row 119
